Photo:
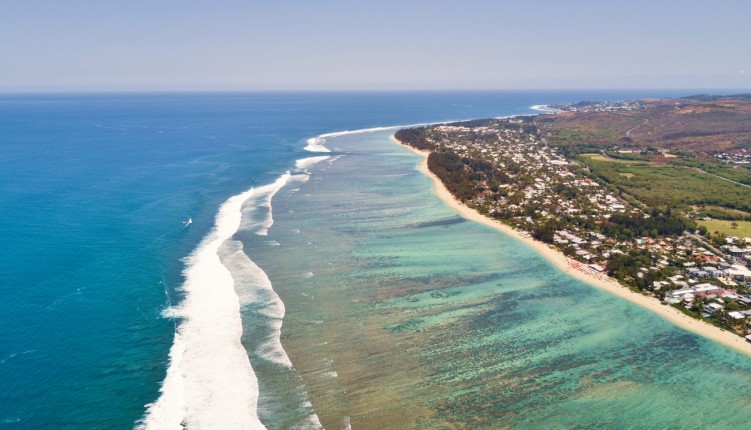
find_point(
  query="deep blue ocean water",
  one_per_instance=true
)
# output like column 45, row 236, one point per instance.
column 94, row 190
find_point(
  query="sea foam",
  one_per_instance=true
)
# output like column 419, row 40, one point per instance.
column 210, row 382
column 258, row 300
column 304, row 163
column 545, row 109
column 252, row 220
column 315, row 144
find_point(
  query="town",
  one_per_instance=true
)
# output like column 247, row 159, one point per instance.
column 505, row 169
column 742, row 156
column 604, row 106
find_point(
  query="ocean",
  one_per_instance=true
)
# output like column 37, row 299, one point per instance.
column 311, row 288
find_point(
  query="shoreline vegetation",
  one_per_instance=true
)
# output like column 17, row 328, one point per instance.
column 580, row 271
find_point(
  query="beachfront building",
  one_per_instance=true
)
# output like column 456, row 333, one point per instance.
column 506, row 170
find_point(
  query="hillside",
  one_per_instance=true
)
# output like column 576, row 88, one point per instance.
column 699, row 126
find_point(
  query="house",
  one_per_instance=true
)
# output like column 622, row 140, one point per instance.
column 713, row 271
column 701, row 289
column 736, row 315
column 739, row 273
column 695, row 272
column 735, row 251
column 679, row 294
column 707, row 289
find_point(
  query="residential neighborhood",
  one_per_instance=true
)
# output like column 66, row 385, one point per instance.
column 739, row 157
column 506, row 170
column 603, row 106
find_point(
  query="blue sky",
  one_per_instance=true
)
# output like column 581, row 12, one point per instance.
column 374, row 45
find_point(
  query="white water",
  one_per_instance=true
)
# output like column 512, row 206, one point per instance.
column 254, row 288
column 304, row 163
column 210, row 382
column 545, row 108
column 367, row 130
column 251, row 282
column 315, row 144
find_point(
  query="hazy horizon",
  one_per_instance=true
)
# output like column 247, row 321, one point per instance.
column 88, row 46
column 145, row 91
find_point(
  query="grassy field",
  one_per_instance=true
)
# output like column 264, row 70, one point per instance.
column 733, row 173
column 725, row 227
column 604, row 159
column 737, row 174
column 717, row 212
column 659, row 185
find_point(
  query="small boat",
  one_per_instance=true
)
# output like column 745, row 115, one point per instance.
column 188, row 222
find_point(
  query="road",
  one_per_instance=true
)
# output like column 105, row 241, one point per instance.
column 628, row 132
column 703, row 241
column 722, row 177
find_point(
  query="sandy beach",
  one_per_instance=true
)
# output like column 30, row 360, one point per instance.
column 582, row 272
column 545, row 109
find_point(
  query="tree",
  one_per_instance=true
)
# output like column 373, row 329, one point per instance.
column 734, row 225
column 544, row 233
column 699, row 304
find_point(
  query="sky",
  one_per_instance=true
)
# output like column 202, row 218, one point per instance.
column 145, row 45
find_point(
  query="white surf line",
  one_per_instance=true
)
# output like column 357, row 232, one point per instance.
column 545, row 109
column 210, row 383
column 305, row 163
column 316, row 144
column 267, row 192
column 253, row 285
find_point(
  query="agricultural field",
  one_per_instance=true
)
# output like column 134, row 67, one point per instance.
column 741, row 229
column 604, row 159
column 733, row 173
column 664, row 154
column 716, row 212
column 662, row 185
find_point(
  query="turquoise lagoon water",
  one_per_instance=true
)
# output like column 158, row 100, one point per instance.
column 101, row 308
column 486, row 332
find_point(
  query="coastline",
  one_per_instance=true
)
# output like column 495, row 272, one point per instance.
column 575, row 269
column 545, row 109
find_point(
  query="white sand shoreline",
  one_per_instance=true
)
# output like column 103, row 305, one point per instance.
column 545, row 109
column 566, row 265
